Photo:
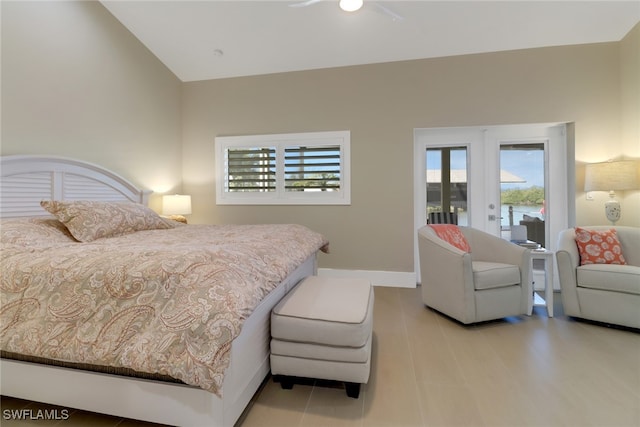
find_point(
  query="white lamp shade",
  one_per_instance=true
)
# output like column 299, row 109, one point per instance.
column 611, row 176
column 176, row 204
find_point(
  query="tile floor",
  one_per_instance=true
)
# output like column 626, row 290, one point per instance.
column 428, row 370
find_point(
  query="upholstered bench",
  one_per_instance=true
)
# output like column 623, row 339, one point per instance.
column 323, row 329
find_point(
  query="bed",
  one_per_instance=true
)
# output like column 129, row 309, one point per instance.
column 213, row 352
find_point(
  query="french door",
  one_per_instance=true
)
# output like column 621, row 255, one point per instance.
column 493, row 178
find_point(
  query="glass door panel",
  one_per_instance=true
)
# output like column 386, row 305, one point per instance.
column 446, row 185
column 522, row 191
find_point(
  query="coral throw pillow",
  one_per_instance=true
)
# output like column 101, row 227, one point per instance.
column 451, row 234
column 599, row 247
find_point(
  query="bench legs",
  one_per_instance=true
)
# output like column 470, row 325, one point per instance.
column 287, row 382
column 353, row 389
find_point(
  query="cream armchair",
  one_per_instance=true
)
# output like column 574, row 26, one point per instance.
column 606, row 293
column 491, row 282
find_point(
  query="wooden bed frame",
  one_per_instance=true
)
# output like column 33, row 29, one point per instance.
column 25, row 181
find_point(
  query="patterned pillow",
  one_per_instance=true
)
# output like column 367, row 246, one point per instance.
column 599, row 247
column 36, row 232
column 451, row 234
column 89, row 220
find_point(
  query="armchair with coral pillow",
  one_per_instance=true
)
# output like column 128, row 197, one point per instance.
column 599, row 271
column 472, row 276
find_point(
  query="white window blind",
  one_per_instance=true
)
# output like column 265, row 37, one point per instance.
column 251, row 169
column 312, row 168
column 302, row 168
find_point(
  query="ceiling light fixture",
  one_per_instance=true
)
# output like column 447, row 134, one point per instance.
column 351, row 5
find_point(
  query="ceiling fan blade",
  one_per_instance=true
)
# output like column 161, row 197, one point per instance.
column 305, row 3
column 390, row 13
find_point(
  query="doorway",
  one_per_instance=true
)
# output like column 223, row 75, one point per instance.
column 494, row 177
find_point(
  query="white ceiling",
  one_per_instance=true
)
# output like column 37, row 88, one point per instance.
column 200, row 40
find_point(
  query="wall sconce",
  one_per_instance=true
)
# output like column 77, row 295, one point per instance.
column 611, row 176
column 176, row 206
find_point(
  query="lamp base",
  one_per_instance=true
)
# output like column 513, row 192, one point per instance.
column 179, row 218
column 612, row 210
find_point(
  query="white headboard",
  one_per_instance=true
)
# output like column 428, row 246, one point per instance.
column 26, row 180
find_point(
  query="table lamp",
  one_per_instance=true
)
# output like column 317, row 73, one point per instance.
column 611, row 176
column 175, row 206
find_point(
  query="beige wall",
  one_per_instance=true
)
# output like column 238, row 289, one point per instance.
column 381, row 105
column 625, row 145
column 76, row 83
column 630, row 90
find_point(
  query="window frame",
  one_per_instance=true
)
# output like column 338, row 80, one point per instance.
column 280, row 142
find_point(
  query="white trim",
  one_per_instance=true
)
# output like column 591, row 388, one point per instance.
column 394, row 279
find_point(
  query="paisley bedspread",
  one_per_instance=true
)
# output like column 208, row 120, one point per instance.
column 160, row 301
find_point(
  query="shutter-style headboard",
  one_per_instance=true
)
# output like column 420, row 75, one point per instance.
column 27, row 180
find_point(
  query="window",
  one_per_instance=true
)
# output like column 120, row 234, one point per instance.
column 285, row 169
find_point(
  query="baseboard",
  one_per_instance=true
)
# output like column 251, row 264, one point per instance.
column 397, row 279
